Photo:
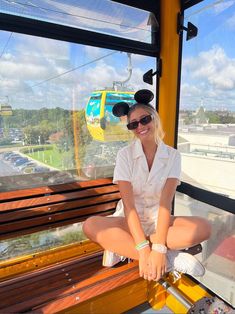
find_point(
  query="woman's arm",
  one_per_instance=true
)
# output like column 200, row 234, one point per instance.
column 134, row 225
column 157, row 258
column 164, row 213
column 132, row 217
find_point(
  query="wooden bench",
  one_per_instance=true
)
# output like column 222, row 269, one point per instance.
column 74, row 284
column 59, row 286
column 31, row 210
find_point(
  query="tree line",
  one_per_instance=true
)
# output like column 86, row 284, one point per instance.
column 37, row 126
column 212, row 117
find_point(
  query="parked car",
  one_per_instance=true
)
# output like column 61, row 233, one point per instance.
column 39, row 169
column 14, row 158
column 30, row 163
column 20, row 161
column 6, row 154
column 35, row 169
column 11, row 155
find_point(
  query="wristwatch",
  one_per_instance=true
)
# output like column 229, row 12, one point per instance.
column 161, row 248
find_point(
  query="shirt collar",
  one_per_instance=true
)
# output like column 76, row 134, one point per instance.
column 137, row 149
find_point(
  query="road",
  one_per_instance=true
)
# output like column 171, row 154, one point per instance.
column 6, row 169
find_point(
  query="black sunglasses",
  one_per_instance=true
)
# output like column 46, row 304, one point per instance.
column 145, row 120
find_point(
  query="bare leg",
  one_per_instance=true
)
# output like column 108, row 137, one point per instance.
column 112, row 234
column 187, row 231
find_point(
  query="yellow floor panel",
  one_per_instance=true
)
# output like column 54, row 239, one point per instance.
column 114, row 302
column 158, row 297
column 16, row 266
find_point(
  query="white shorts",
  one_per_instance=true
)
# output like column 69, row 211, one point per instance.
column 149, row 226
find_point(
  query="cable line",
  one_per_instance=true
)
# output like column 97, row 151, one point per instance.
column 4, row 48
column 73, row 69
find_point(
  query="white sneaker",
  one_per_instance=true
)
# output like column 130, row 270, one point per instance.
column 184, row 263
column 110, row 258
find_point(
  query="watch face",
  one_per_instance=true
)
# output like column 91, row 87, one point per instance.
column 159, row 248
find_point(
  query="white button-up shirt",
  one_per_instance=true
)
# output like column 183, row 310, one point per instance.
column 131, row 166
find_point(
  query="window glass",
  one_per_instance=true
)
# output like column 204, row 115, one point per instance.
column 103, row 16
column 207, row 104
column 40, row 241
column 218, row 255
column 206, row 134
column 56, row 99
column 113, row 98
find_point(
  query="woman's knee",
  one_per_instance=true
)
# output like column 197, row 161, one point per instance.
column 205, row 228
column 202, row 229
column 89, row 227
column 199, row 228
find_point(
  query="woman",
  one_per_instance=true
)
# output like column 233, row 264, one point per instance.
column 147, row 172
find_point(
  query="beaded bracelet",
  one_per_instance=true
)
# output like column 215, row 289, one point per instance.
column 161, row 248
column 142, row 245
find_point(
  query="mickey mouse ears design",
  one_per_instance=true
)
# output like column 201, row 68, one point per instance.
column 143, row 96
column 120, row 109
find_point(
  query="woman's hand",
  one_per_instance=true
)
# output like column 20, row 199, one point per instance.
column 157, row 265
column 143, row 262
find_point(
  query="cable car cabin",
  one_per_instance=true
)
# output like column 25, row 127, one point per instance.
column 5, row 110
column 54, row 56
column 101, row 123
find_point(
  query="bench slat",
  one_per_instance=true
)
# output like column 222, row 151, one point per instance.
column 56, row 198
column 81, row 295
column 28, row 211
column 84, row 283
column 67, row 283
column 53, row 208
column 60, row 219
column 60, row 188
column 55, row 279
column 50, row 226
column 18, row 225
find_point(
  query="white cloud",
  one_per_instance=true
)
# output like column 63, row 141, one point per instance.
column 189, row 90
column 231, row 22
column 93, row 52
column 24, row 71
column 102, row 76
column 211, row 76
column 33, row 72
column 213, row 66
column 29, row 61
column 39, row 46
column 221, row 6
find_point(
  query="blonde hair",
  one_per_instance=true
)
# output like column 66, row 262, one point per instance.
column 159, row 133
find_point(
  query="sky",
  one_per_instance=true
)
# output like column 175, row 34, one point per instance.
column 39, row 72
column 208, row 67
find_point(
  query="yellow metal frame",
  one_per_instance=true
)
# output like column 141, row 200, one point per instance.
column 27, row 263
column 168, row 83
column 102, row 103
column 169, row 55
column 116, row 301
column 158, row 297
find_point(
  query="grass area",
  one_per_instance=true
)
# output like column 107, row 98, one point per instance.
column 53, row 157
